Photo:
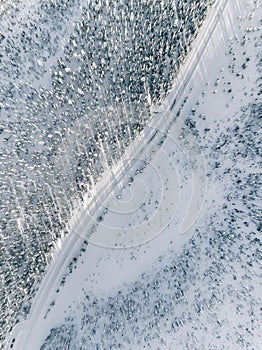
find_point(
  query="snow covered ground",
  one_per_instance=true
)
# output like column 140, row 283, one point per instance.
column 134, row 279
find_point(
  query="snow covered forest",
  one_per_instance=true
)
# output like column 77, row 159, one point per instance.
column 77, row 82
column 80, row 82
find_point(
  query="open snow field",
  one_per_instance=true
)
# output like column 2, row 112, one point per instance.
column 170, row 259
